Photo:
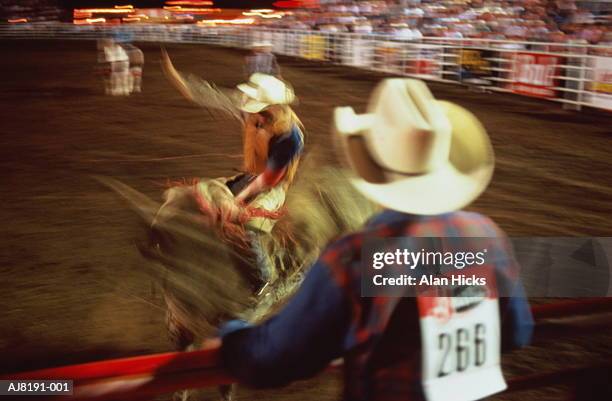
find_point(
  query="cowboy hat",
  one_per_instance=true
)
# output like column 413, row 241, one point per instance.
column 413, row 153
column 263, row 91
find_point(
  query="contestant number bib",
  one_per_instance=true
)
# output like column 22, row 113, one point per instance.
column 461, row 345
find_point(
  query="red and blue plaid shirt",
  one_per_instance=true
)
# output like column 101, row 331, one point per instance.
column 378, row 337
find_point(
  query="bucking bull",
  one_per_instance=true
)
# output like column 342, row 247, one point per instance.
column 204, row 265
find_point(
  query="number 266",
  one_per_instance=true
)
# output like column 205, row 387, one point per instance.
column 463, row 343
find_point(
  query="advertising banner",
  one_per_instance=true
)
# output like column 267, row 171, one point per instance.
column 388, row 57
column 313, row 47
column 423, row 61
column 600, row 84
column 533, row 74
column 474, row 66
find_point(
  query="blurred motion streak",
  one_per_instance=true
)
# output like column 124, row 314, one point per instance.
column 189, row 3
column 297, row 4
column 238, row 21
column 104, row 10
column 89, row 21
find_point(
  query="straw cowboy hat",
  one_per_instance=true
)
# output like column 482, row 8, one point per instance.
column 263, row 91
column 413, row 153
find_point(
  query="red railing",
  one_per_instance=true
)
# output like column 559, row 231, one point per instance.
column 147, row 376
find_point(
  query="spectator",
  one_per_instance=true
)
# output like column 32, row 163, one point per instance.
column 136, row 57
column 261, row 60
column 118, row 60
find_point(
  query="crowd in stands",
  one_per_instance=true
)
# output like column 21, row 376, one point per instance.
column 30, row 10
column 558, row 21
column 526, row 20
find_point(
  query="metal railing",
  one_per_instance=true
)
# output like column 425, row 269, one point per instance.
column 576, row 75
column 147, row 376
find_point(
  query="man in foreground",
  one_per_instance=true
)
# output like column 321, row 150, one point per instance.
column 423, row 160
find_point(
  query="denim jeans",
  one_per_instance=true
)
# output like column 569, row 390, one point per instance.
column 262, row 260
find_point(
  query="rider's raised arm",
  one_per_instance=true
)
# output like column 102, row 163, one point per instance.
column 282, row 152
column 175, row 77
column 297, row 343
column 202, row 92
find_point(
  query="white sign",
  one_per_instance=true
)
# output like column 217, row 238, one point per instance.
column 533, row 74
column 358, row 52
column 461, row 343
column 601, row 83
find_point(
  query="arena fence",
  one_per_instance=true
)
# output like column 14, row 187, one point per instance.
column 575, row 75
column 145, row 377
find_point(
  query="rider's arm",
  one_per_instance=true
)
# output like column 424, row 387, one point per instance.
column 280, row 156
column 202, row 92
column 297, row 343
column 268, row 179
column 174, row 77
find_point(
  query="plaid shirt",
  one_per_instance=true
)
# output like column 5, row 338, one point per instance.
column 379, row 337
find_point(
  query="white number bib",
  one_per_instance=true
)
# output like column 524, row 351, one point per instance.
column 461, row 346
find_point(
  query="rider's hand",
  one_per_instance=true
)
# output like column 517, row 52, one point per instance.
column 211, row 343
column 241, row 199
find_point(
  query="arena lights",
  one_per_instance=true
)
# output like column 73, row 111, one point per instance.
column 104, row 10
column 89, row 21
column 189, row 3
column 254, row 13
column 237, row 21
column 125, row 7
column 200, row 10
column 297, row 4
column 179, row 9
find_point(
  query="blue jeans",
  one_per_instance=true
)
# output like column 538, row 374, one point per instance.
column 261, row 256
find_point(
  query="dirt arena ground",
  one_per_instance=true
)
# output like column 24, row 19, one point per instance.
column 71, row 284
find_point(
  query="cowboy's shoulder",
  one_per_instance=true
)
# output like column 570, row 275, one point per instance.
column 341, row 258
column 346, row 249
column 462, row 223
column 478, row 223
column 342, row 250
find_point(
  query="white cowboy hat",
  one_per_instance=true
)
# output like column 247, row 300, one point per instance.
column 263, row 91
column 413, row 153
